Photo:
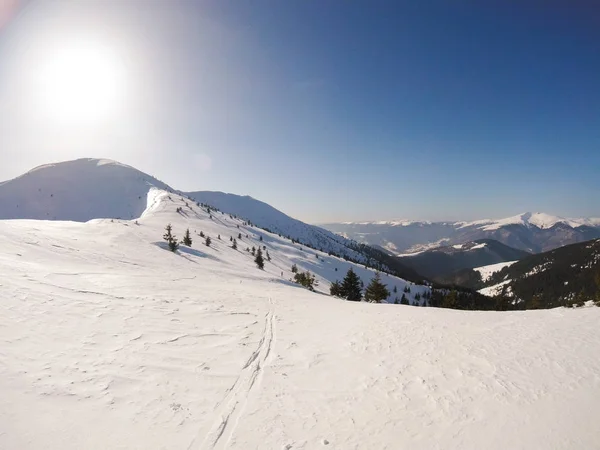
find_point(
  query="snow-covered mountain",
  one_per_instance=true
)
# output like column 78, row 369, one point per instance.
column 531, row 232
column 109, row 340
column 87, row 189
column 78, row 190
column 452, row 258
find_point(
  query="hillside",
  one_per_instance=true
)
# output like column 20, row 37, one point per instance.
column 111, row 341
column 550, row 279
column 545, row 280
column 444, row 260
column 530, row 232
column 87, row 189
column 78, row 190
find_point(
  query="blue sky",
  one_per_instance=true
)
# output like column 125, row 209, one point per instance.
column 332, row 110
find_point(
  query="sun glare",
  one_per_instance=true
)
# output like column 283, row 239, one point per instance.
column 79, row 82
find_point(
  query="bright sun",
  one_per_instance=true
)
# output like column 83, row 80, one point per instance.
column 79, row 82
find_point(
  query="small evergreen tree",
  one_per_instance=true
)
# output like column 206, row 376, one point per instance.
column 234, row 244
column 230, row 238
column 580, row 300
column 207, row 241
column 351, row 286
column 268, row 256
column 201, row 234
column 305, row 279
column 259, row 260
column 260, row 239
column 239, row 235
column 219, row 237
column 294, row 268
column 335, row 289
column 395, row 289
column 187, row 239
column 254, row 250
column 404, row 300
column 170, row 238
column 376, row 291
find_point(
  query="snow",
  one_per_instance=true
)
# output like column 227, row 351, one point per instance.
column 539, row 220
column 104, row 162
column 107, row 340
column 487, row 271
column 265, row 216
column 78, row 190
column 478, row 246
column 494, row 290
column 458, row 246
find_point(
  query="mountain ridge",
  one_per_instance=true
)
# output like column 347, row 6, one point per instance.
column 532, row 232
column 89, row 188
column 445, row 260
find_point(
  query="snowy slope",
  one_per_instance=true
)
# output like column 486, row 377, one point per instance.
column 87, row 189
column 77, row 190
column 265, row 216
column 487, row 271
column 107, row 340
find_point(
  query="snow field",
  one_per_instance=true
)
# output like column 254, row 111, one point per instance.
column 107, row 340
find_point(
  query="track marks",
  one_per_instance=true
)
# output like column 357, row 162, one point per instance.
column 230, row 410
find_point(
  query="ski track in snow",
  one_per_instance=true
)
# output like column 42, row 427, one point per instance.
column 231, row 408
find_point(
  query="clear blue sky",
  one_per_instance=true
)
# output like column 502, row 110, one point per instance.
column 333, row 110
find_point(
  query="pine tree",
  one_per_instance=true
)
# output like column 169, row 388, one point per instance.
column 170, row 238
column 351, row 286
column 259, row 260
column 234, row 245
column 395, row 289
column 305, row 279
column 260, row 239
column 376, row 291
column 230, row 238
column 404, row 300
column 219, row 237
column 450, row 300
column 254, row 250
column 268, row 256
column 335, row 289
column 239, row 235
column 187, row 239
column 580, row 300
column 294, row 268
column 207, row 241
column 201, row 234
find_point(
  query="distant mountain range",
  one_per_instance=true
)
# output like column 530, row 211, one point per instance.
column 448, row 259
column 530, row 232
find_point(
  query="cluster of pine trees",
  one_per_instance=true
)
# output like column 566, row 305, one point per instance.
column 350, row 288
